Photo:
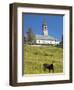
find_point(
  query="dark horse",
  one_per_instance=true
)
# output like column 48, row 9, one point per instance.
column 48, row 66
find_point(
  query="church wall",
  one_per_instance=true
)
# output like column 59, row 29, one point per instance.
column 47, row 42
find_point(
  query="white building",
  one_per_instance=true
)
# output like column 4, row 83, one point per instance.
column 40, row 39
column 45, row 38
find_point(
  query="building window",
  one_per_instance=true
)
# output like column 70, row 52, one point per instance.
column 39, row 41
column 45, row 27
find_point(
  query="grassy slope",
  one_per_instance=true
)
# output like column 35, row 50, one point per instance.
column 35, row 57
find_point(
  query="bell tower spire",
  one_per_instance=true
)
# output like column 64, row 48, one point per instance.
column 44, row 28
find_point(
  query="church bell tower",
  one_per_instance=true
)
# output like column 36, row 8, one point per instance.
column 45, row 28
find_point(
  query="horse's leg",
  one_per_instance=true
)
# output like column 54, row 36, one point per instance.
column 44, row 68
column 53, row 70
column 49, row 70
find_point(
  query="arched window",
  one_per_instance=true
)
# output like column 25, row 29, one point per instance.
column 45, row 27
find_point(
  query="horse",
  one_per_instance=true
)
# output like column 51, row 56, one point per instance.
column 50, row 67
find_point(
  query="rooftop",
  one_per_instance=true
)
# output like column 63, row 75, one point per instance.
column 44, row 22
column 42, row 37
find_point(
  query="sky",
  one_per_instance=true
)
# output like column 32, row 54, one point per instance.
column 54, row 23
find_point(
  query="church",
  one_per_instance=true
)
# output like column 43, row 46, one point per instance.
column 45, row 38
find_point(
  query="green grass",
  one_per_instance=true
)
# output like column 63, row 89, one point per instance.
column 36, row 56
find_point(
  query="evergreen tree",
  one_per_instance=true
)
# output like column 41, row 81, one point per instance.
column 31, row 36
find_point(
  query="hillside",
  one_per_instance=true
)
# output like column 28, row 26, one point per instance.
column 36, row 56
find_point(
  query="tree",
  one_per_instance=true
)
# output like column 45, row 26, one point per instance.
column 31, row 36
column 25, row 40
column 61, row 43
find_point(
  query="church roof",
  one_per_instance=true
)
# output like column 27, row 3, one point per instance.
column 44, row 22
column 42, row 37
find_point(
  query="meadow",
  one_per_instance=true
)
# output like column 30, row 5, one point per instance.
column 36, row 56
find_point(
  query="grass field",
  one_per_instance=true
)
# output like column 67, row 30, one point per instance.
column 36, row 56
